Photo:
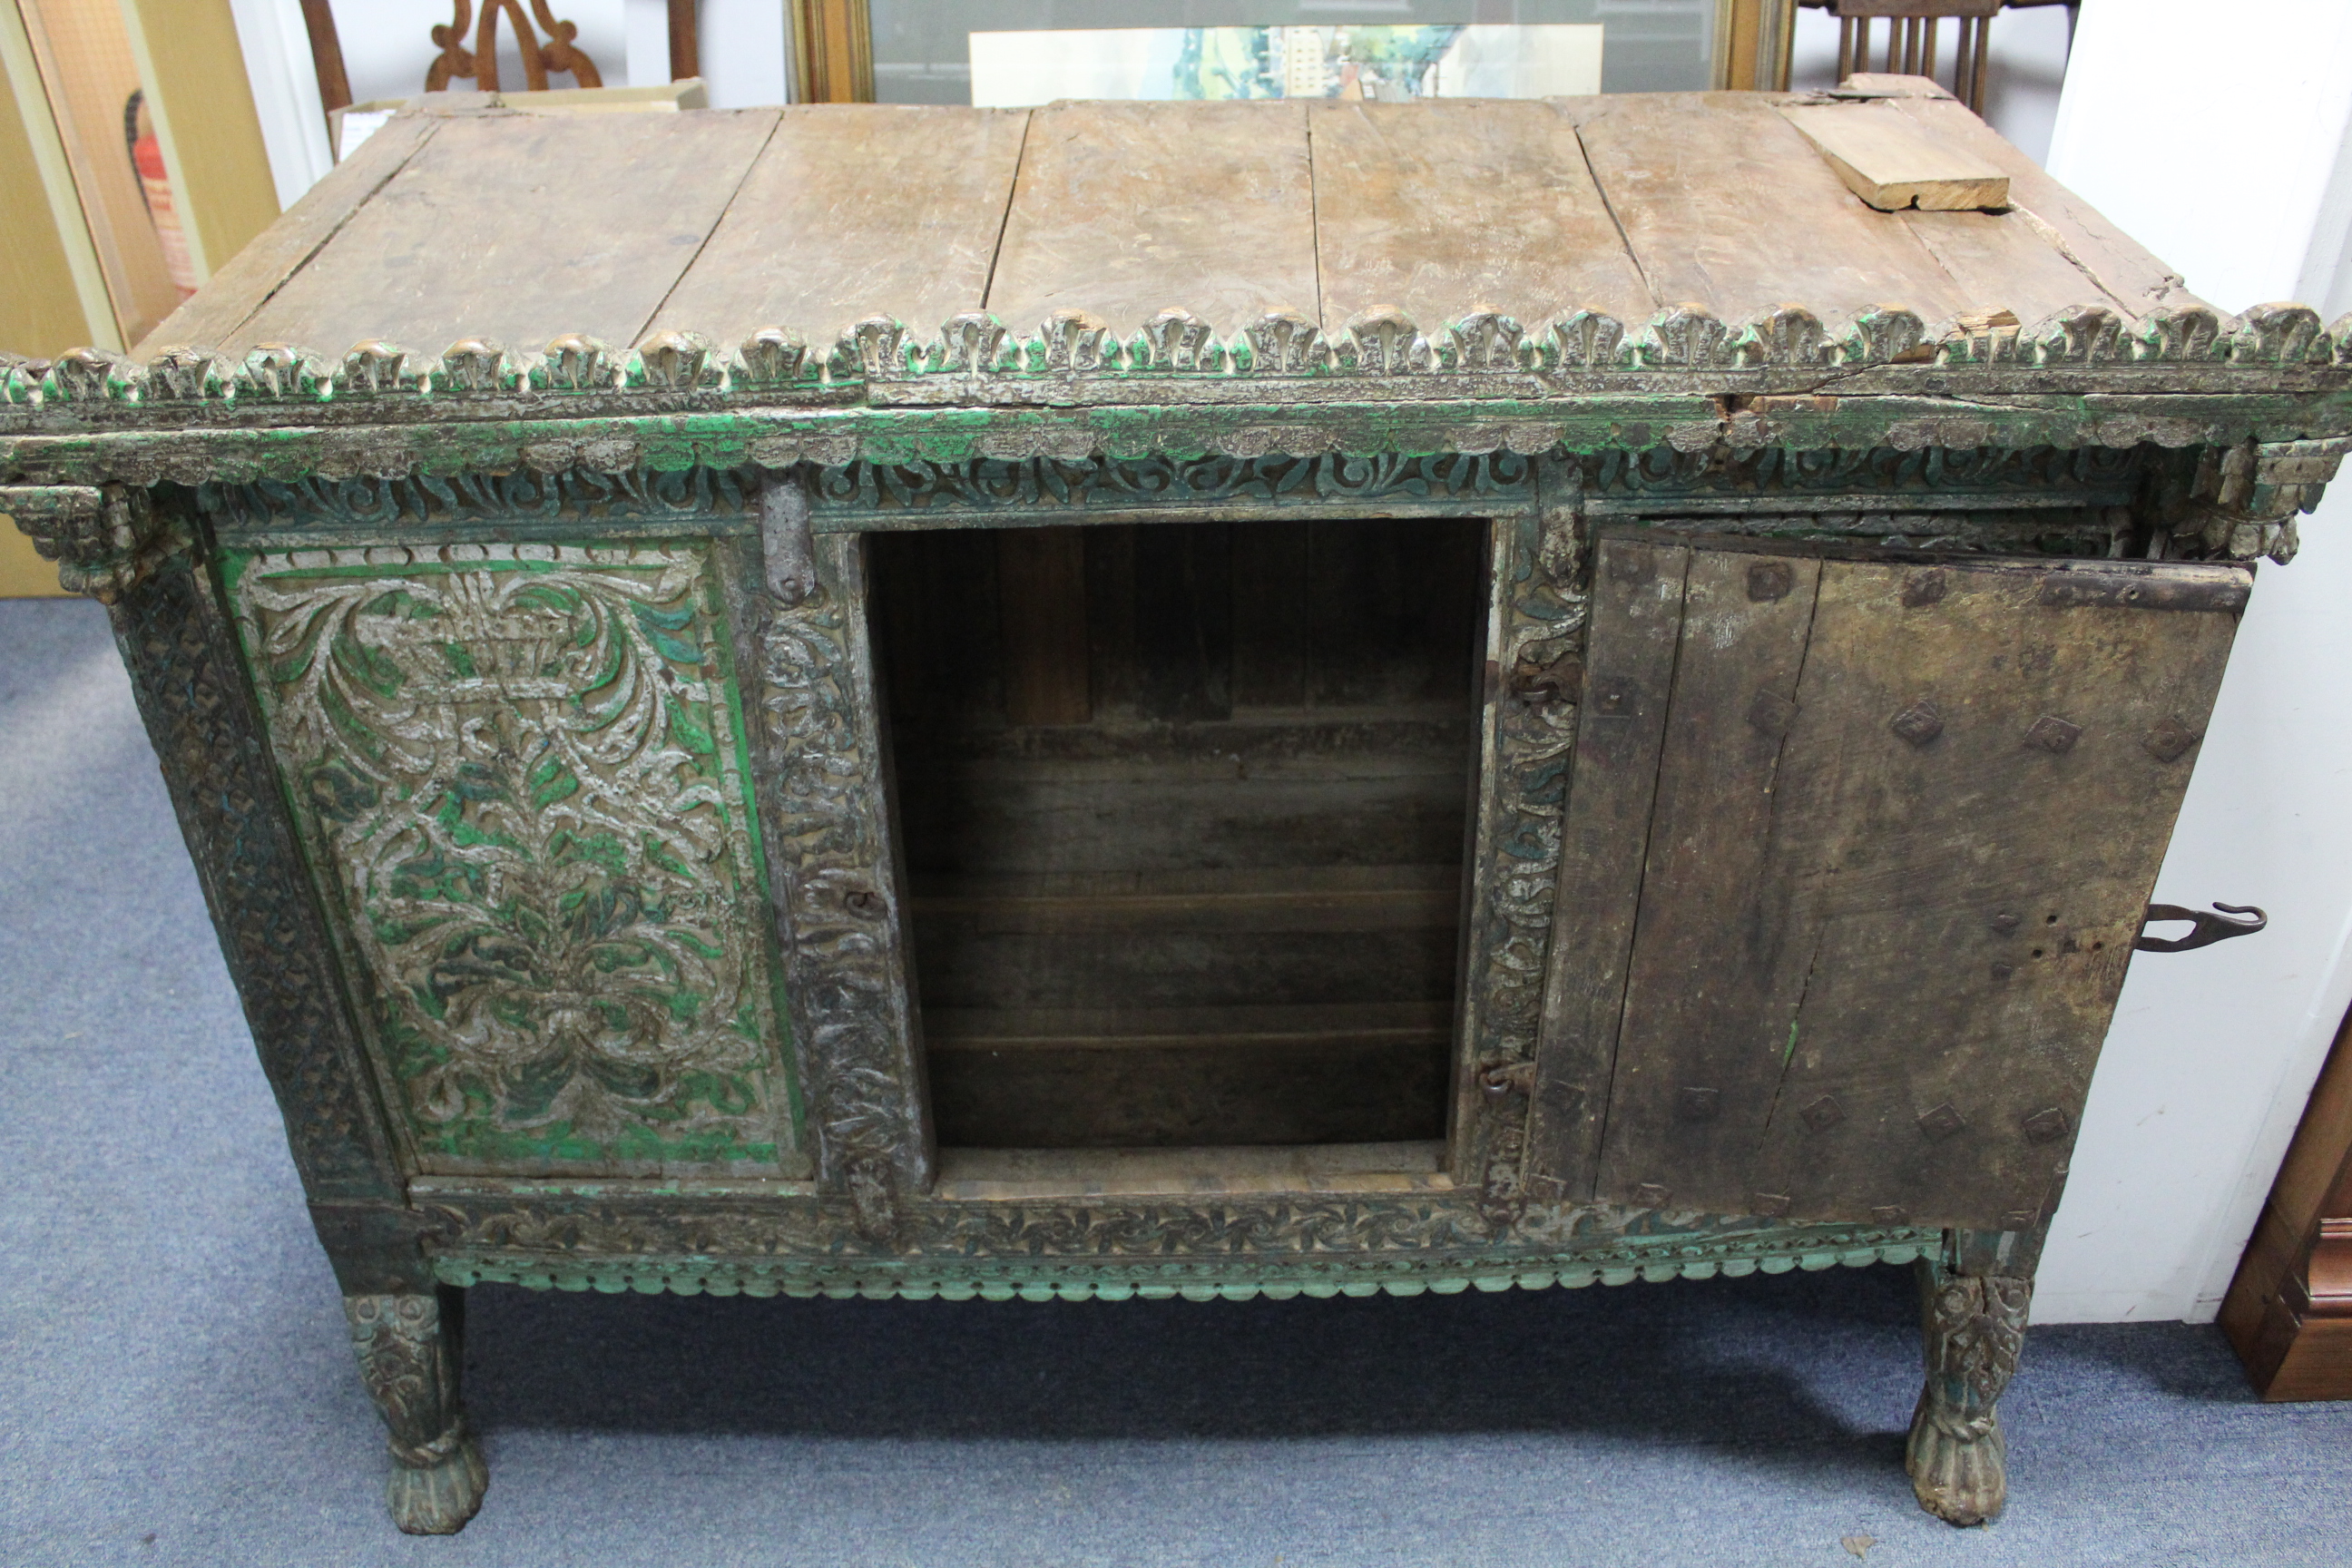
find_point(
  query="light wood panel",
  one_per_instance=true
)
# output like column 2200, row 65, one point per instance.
column 212, row 318
column 1727, row 205
column 857, row 211
column 1441, row 206
column 1125, row 209
column 444, row 251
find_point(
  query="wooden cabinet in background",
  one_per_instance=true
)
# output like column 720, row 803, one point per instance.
column 2289, row 1311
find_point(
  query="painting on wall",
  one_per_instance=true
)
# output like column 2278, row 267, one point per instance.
column 1392, row 64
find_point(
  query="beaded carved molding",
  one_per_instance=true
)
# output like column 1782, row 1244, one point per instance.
column 975, row 358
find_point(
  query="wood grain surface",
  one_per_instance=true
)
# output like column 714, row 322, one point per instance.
column 1441, row 206
column 1893, row 162
column 857, row 210
column 1126, row 209
column 211, row 319
column 1727, row 205
column 1637, row 613
column 1866, row 985
column 502, row 227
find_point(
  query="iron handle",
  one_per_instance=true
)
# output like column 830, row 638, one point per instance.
column 2211, row 927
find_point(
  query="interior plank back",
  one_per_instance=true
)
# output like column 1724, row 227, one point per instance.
column 1693, row 1070
column 212, row 317
column 1637, row 613
column 1126, row 209
column 1727, row 205
column 446, row 249
column 857, row 210
column 1441, row 206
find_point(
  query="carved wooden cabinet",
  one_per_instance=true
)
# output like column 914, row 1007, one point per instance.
column 1177, row 700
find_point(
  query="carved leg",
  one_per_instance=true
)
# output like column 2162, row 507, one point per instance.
column 1975, row 1325
column 408, row 1351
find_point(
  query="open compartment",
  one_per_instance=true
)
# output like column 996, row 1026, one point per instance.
column 1184, row 809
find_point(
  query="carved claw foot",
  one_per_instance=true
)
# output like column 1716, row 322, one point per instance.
column 438, row 1495
column 1973, row 1327
column 408, row 1353
column 1958, row 1465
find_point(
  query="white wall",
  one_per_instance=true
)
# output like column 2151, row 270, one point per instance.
column 2217, row 137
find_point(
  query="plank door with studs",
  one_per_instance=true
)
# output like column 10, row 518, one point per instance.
column 1856, row 851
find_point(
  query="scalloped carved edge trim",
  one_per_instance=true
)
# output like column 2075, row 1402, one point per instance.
column 1379, row 343
column 700, row 1276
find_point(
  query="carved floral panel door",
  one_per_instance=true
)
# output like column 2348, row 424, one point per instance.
column 1857, row 850
column 522, row 777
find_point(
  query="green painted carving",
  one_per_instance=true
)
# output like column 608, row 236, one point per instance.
column 521, row 773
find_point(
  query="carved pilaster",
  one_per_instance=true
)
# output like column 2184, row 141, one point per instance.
column 1535, row 632
column 189, row 684
column 1974, row 1327
column 837, row 888
column 409, row 1354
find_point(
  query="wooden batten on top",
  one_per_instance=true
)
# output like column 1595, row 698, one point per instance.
column 1893, row 162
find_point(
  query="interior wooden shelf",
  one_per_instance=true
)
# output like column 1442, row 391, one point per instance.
column 980, row 1174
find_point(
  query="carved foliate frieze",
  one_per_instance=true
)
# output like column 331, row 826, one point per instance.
column 1931, row 458
column 91, row 376
column 836, row 889
column 577, row 363
column 674, row 361
column 379, row 369
column 2078, row 334
column 282, row 373
column 521, row 774
column 1383, row 341
column 1463, row 352
column 1098, row 483
column 773, row 359
column 598, row 480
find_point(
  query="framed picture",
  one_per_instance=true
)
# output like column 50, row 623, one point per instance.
column 1018, row 51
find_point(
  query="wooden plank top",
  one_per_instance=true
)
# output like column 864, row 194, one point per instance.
column 1728, row 206
column 212, row 316
column 1127, row 209
column 520, row 229
column 1436, row 207
column 1689, row 243
column 857, row 210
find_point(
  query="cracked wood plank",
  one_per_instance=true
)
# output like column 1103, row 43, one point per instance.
column 212, row 317
column 1885, row 950
column 1727, row 205
column 1694, row 1074
column 2109, row 259
column 503, row 227
column 1126, row 209
column 1442, row 206
column 1629, row 665
column 852, row 211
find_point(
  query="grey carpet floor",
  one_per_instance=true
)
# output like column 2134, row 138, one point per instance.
column 175, row 1385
